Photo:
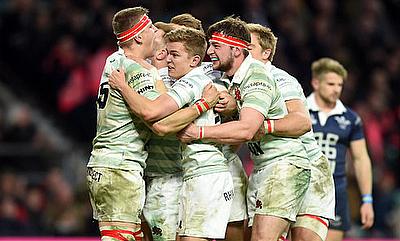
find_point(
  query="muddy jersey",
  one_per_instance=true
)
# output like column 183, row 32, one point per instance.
column 291, row 89
column 253, row 87
column 165, row 155
column 199, row 157
column 120, row 135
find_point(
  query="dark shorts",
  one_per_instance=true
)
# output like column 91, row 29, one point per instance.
column 342, row 211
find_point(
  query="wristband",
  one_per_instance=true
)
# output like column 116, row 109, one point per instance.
column 202, row 106
column 270, row 126
column 201, row 132
column 367, row 198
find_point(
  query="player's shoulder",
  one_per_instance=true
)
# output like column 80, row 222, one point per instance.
column 281, row 75
column 352, row 115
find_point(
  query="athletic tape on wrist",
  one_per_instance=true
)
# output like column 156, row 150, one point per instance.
column 202, row 106
column 270, row 127
column 367, row 198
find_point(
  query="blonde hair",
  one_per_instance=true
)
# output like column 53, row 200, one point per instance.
column 193, row 40
column 187, row 20
column 326, row 65
column 265, row 37
column 166, row 27
column 126, row 19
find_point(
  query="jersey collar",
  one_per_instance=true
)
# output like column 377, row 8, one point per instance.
column 312, row 104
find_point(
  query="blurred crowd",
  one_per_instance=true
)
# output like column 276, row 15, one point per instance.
column 52, row 54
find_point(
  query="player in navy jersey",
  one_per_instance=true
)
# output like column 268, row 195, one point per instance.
column 338, row 128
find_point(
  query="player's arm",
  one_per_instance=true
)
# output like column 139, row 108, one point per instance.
column 363, row 172
column 148, row 110
column 183, row 117
column 176, row 121
column 233, row 132
column 294, row 124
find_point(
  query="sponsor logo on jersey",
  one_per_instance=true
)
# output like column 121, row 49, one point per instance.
column 138, row 76
column 144, row 89
column 187, row 83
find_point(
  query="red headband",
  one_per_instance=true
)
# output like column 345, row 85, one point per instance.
column 135, row 30
column 228, row 40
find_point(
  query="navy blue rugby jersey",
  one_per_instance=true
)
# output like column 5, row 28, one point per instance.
column 334, row 132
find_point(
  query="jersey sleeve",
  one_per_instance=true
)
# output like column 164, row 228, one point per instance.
column 289, row 87
column 357, row 131
column 141, row 80
column 258, row 90
column 185, row 91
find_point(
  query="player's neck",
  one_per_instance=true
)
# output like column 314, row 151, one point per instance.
column 323, row 105
column 134, row 53
column 235, row 66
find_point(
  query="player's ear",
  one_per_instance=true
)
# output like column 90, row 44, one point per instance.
column 161, row 54
column 195, row 61
column 138, row 39
column 266, row 53
column 237, row 51
column 315, row 83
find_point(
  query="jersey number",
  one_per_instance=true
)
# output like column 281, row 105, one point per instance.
column 328, row 146
column 103, row 95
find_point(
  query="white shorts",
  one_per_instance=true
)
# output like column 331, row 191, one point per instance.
column 240, row 183
column 205, row 206
column 320, row 196
column 162, row 205
column 278, row 190
column 116, row 195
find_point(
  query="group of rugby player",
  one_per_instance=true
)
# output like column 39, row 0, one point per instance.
column 164, row 159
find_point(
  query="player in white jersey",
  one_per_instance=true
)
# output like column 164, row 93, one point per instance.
column 206, row 176
column 282, row 173
column 238, row 215
column 318, row 206
column 163, row 173
column 118, row 157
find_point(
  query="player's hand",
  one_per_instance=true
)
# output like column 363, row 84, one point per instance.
column 117, row 79
column 211, row 95
column 226, row 104
column 367, row 215
column 188, row 134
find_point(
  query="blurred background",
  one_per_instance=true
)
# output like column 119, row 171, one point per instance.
column 52, row 53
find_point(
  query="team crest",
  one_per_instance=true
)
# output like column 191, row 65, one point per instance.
column 237, row 93
column 342, row 122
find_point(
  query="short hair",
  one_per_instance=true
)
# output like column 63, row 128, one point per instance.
column 126, row 19
column 265, row 37
column 187, row 20
column 166, row 27
column 193, row 40
column 326, row 65
column 231, row 26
